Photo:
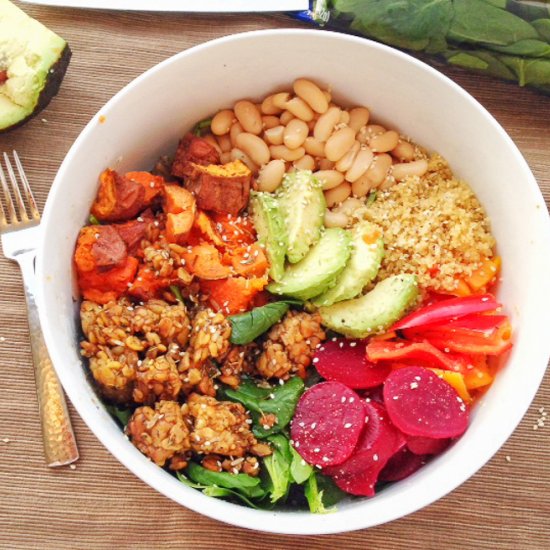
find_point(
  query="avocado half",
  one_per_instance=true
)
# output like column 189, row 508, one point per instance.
column 33, row 61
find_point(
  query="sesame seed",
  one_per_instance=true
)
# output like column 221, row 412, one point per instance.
column 347, row 425
column 352, row 344
column 375, row 458
column 316, row 450
column 313, row 425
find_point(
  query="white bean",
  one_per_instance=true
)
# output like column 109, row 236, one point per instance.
column 325, row 164
column 237, row 154
column 406, row 169
column 314, row 147
column 249, row 116
column 349, row 206
column 275, row 136
column 279, row 100
column 326, row 123
column 338, row 194
column 271, row 175
column 284, row 153
column 358, row 117
column 403, row 151
column 286, row 117
column 360, row 164
column 329, row 179
column 339, row 143
column 344, row 164
column 335, row 219
column 295, row 133
column 379, row 168
column 382, row 143
column 344, row 117
column 300, row 109
column 255, row 147
column 307, row 162
column 387, row 183
column 236, row 129
column 224, row 142
column 268, row 107
column 222, row 121
column 270, row 121
column 362, row 186
column 311, row 94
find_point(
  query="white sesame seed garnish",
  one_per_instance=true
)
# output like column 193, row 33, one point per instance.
column 315, row 360
column 375, row 458
column 352, row 344
column 508, row 458
column 316, row 450
column 343, row 400
column 347, row 425
column 313, row 425
column 414, row 385
column 351, row 399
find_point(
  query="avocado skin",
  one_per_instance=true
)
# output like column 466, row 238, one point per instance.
column 50, row 89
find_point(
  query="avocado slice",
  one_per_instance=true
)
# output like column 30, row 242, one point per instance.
column 303, row 205
column 319, row 270
column 271, row 229
column 375, row 311
column 33, row 61
column 362, row 268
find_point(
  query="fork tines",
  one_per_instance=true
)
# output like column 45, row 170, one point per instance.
column 16, row 211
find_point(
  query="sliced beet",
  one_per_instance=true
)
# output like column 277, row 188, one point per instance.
column 379, row 441
column 327, row 423
column 419, row 403
column 401, row 465
column 344, row 360
column 427, row 445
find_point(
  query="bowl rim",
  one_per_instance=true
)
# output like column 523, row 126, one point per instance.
column 280, row 522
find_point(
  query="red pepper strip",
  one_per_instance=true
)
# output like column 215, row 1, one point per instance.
column 422, row 354
column 465, row 340
column 477, row 322
column 446, row 310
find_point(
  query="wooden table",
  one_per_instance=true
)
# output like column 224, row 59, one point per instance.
column 99, row 504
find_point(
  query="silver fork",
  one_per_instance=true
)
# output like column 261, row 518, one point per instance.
column 20, row 232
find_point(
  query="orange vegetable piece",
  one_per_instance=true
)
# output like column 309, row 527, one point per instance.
column 234, row 294
column 485, row 274
column 83, row 255
column 204, row 261
column 462, row 289
column 234, row 230
column 118, row 198
column 178, row 226
column 250, row 261
column 372, row 237
column 205, row 226
column 177, row 199
column 152, row 185
column 103, row 286
column 147, row 284
column 457, row 381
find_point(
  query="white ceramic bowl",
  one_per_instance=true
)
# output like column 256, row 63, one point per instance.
column 147, row 118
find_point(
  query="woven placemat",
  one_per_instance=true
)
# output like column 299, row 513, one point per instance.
column 99, row 504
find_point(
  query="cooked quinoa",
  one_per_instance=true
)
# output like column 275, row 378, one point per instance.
column 433, row 227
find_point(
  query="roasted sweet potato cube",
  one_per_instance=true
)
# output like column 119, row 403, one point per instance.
column 152, row 185
column 118, row 199
column 178, row 226
column 205, row 261
column 177, row 199
column 193, row 150
column 222, row 188
column 99, row 247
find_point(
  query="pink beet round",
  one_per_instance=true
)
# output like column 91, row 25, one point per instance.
column 427, row 445
column 401, row 465
column 420, row 404
column 327, row 423
column 379, row 441
column 345, row 361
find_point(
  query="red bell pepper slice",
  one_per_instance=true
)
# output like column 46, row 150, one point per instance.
column 446, row 310
column 422, row 354
column 458, row 337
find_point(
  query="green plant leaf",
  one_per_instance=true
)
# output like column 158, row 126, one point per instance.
column 121, row 414
column 526, row 48
column 322, row 494
column 300, row 470
column 411, row 24
column 542, row 26
column 246, row 327
column 93, row 220
column 222, row 492
column 277, row 468
column 176, row 292
column 481, row 23
column 201, row 126
column 246, row 485
column 279, row 400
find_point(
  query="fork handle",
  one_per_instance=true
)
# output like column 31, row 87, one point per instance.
column 57, row 433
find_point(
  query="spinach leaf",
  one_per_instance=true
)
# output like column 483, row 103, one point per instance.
column 412, row 24
column 478, row 22
column 201, row 126
column 176, row 292
column 322, row 494
column 542, row 26
column 526, row 48
column 213, row 491
column 280, row 401
column 120, row 414
column 246, row 327
column 246, row 485
column 300, row 470
column 277, row 468
column 93, row 220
